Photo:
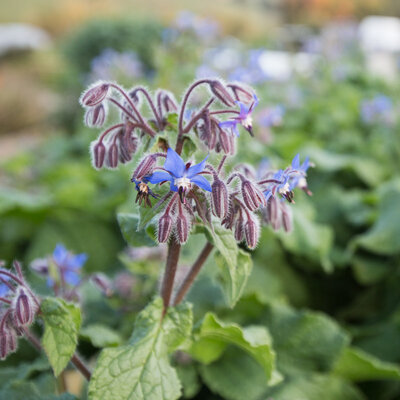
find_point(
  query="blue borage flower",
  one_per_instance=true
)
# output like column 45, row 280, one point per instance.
column 4, row 289
column 244, row 118
column 288, row 179
column 180, row 175
column 69, row 264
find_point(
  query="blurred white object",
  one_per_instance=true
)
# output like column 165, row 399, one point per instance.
column 380, row 34
column 20, row 37
column 276, row 65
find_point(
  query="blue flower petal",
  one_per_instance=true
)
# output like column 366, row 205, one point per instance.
column 71, row 277
column 174, row 164
column 267, row 195
column 159, row 176
column 60, row 254
column 78, row 260
column 196, row 169
column 296, row 162
column 244, row 110
column 201, row 182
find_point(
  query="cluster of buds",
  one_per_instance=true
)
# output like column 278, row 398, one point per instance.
column 200, row 192
column 18, row 308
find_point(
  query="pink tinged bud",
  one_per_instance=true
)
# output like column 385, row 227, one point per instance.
column 99, row 154
column 182, row 228
column 220, row 198
column 164, row 228
column 102, row 283
column 145, row 167
column 241, row 93
column 8, row 342
column 95, row 116
column 239, row 229
column 221, row 93
column 95, row 95
column 252, row 196
column 169, row 102
column 113, row 156
column 287, row 220
column 226, row 142
column 24, row 308
column 252, row 232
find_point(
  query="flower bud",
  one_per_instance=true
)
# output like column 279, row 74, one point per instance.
column 102, row 283
column 99, row 154
column 8, row 342
column 164, row 227
column 252, row 232
column 241, row 93
column 145, row 167
column 40, row 266
column 182, row 228
column 95, row 116
column 95, row 95
column 113, row 156
column 287, row 219
column 252, row 196
column 239, row 228
column 219, row 198
column 24, row 308
column 168, row 101
column 221, row 93
column 272, row 209
column 226, row 141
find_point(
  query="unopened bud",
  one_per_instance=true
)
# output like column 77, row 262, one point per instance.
column 272, row 209
column 99, row 154
column 252, row 196
column 168, row 102
column 241, row 93
column 145, row 167
column 221, row 93
column 182, row 228
column 286, row 219
column 239, row 228
column 164, row 227
column 40, row 266
column 220, row 198
column 124, row 154
column 95, row 95
column 102, row 283
column 252, row 232
column 8, row 342
column 113, row 156
column 226, row 141
column 95, row 116
column 24, row 308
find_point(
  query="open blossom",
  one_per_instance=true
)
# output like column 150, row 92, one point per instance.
column 180, row 175
column 244, row 118
column 69, row 264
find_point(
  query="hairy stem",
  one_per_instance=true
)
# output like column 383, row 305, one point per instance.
column 174, row 249
column 76, row 360
column 192, row 274
column 150, row 101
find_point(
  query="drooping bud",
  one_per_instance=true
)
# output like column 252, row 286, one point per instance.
column 252, row 195
column 221, row 93
column 95, row 94
column 226, row 142
column 8, row 342
column 24, row 308
column 40, row 266
column 95, row 116
column 145, row 167
column 164, row 227
column 113, row 156
column 102, row 283
column 168, row 102
column 252, row 232
column 219, row 198
column 99, row 154
column 239, row 228
column 272, row 209
column 124, row 155
column 287, row 219
column 182, row 226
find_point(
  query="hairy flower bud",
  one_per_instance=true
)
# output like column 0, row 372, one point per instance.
column 252, row 196
column 24, row 308
column 99, row 154
column 272, row 209
column 40, row 266
column 252, row 232
column 164, row 227
column 102, row 283
column 226, row 141
column 239, row 228
column 219, row 198
column 221, row 93
column 95, row 94
column 182, row 227
column 286, row 218
column 168, row 102
column 113, row 156
column 95, row 116
column 241, row 93
column 8, row 342
column 145, row 167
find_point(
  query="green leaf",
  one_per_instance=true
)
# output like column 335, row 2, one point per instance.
column 141, row 369
column 234, row 264
column 357, row 365
column 172, row 120
column 62, row 321
column 189, row 379
column 129, row 228
column 303, row 340
column 101, row 335
column 189, row 147
column 214, row 336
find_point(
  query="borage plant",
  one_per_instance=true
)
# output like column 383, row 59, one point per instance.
column 176, row 197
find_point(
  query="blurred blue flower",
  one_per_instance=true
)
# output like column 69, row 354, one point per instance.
column 69, row 264
column 3, row 287
column 180, row 175
column 376, row 109
column 244, row 118
column 271, row 116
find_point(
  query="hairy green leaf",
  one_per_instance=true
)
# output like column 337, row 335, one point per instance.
column 62, row 321
column 101, row 335
column 129, row 228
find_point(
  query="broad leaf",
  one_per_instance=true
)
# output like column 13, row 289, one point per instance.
column 141, row 369
column 214, row 336
column 129, row 228
column 101, row 335
column 357, row 365
column 61, row 326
